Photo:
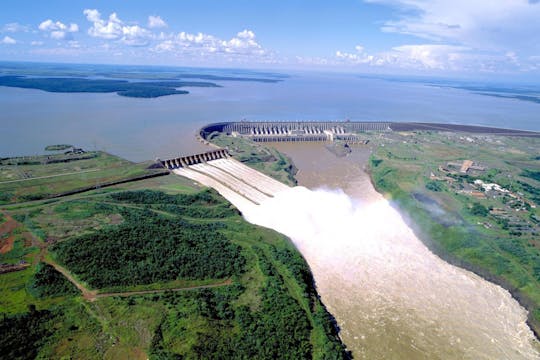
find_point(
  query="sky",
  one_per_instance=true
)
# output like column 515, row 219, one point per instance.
column 421, row 37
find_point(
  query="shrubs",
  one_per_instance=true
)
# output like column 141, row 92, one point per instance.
column 47, row 282
column 434, row 186
column 478, row 209
column 150, row 248
column 24, row 335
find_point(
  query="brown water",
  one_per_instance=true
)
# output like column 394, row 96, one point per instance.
column 392, row 297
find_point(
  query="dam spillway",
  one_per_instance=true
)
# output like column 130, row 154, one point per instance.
column 240, row 184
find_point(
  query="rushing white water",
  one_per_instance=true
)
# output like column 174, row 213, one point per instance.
column 392, row 297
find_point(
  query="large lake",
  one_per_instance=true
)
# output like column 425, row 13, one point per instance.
column 143, row 129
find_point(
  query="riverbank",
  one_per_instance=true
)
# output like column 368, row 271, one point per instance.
column 391, row 296
column 492, row 233
column 152, row 268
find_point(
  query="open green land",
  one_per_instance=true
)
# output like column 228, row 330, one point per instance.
column 263, row 158
column 158, row 268
column 46, row 176
column 482, row 215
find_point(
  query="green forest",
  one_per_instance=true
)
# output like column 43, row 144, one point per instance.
column 170, row 272
column 494, row 233
column 150, row 89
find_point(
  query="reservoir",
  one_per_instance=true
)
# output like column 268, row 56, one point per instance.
column 143, row 129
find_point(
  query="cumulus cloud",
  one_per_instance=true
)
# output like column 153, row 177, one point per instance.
column 115, row 29
column 421, row 57
column 7, row 40
column 156, row 22
column 36, row 43
column 244, row 44
column 58, row 30
column 14, row 27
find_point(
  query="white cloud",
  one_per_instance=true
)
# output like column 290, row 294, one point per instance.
column 246, row 34
column 36, row 43
column 360, row 57
column 74, row 44
column 493, row 25
column 9, row 40
column 156, row 22
column 243, row 44
column 479, row 35
column 15, row 27
column 429, row 56
column 420, row 57
column 116, row 29
column 58, row 30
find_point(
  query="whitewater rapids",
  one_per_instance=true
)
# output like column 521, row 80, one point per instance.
column 391, row 296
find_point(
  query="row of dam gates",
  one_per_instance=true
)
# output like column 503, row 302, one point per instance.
column 268, row 131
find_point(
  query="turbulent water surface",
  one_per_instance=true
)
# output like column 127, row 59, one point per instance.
column 391, row 296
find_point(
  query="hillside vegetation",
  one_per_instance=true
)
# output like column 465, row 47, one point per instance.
column 485, row 218
column 169, row 271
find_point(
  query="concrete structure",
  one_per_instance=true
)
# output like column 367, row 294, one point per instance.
column 185, row 161
column 270, row 131
column 238, row 183
column 301, row 131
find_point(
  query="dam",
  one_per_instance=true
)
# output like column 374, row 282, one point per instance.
column 285, row 131
column 348, row 131
column 240, row 184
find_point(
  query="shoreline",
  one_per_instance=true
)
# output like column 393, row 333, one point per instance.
column 522, row 299
column 432, row 246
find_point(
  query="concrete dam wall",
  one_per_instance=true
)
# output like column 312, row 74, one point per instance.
column 265, row 131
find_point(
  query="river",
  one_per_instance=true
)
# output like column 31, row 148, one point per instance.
column 392, row 297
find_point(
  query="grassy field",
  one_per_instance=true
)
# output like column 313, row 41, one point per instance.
column 263, row 158
column 492, row 231
column 263, row 306
column 41, row 177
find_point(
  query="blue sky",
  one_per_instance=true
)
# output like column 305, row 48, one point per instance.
column 378, row 36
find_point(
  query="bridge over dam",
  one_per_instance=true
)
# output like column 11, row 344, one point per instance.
column 241, row 185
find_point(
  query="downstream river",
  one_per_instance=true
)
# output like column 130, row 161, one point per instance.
column 391, row 296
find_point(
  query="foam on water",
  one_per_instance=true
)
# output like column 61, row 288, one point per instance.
column 391, row 296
